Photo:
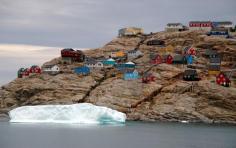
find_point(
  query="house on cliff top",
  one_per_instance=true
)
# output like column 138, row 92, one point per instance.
column 200, row 25
column 70, row 55
column 175, row 27
column 130, row 31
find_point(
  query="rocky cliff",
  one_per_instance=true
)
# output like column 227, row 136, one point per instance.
column 169, row 98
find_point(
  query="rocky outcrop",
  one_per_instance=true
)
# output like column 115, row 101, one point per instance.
column 169, row 98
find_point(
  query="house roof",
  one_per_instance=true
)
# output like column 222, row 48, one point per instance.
column 130, row 63
column 34, row 66
column 132, row 28
column 223, row 23
column 49, row 65
column 67, row 49
column 132, row 51
column 21, row 69
column 200, row 22
column 190, row 72
column 110, row 60
column 174, row 24
column 215, row 60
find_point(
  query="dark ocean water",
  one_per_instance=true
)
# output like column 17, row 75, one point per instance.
column 131, row 135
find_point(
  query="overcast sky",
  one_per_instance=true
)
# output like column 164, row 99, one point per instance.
column 92, row 23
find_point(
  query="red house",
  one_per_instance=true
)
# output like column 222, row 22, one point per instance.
column 200, row 25
column 190, row 51
column 222, row 79
column 168, row 59
column 26, row 72
column 148, row 78
column 35, row 69
column 157, row 59
column 75, row 55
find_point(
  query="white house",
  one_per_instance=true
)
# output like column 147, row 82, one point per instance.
column 51, row 69
column 226, row 24
column 173, row 27
column 91, row 63
column 132, row 54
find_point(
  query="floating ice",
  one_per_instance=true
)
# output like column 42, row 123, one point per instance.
column 83, row 113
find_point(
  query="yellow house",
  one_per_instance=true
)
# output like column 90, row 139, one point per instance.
column 130, row 31
column 213, row 72
column 120, row 54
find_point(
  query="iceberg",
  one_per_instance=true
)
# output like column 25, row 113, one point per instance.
column 84, row 113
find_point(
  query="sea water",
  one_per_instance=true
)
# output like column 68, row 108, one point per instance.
column 128, row 135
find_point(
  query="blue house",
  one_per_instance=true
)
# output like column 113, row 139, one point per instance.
column 109, row 62
column 189, row 59
column 84, row 70
column 131, row 75
column 125, row 65
column 219, row 32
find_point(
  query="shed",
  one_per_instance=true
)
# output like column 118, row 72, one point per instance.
column 83, row 70
column 131, row 75
column 190, row 75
